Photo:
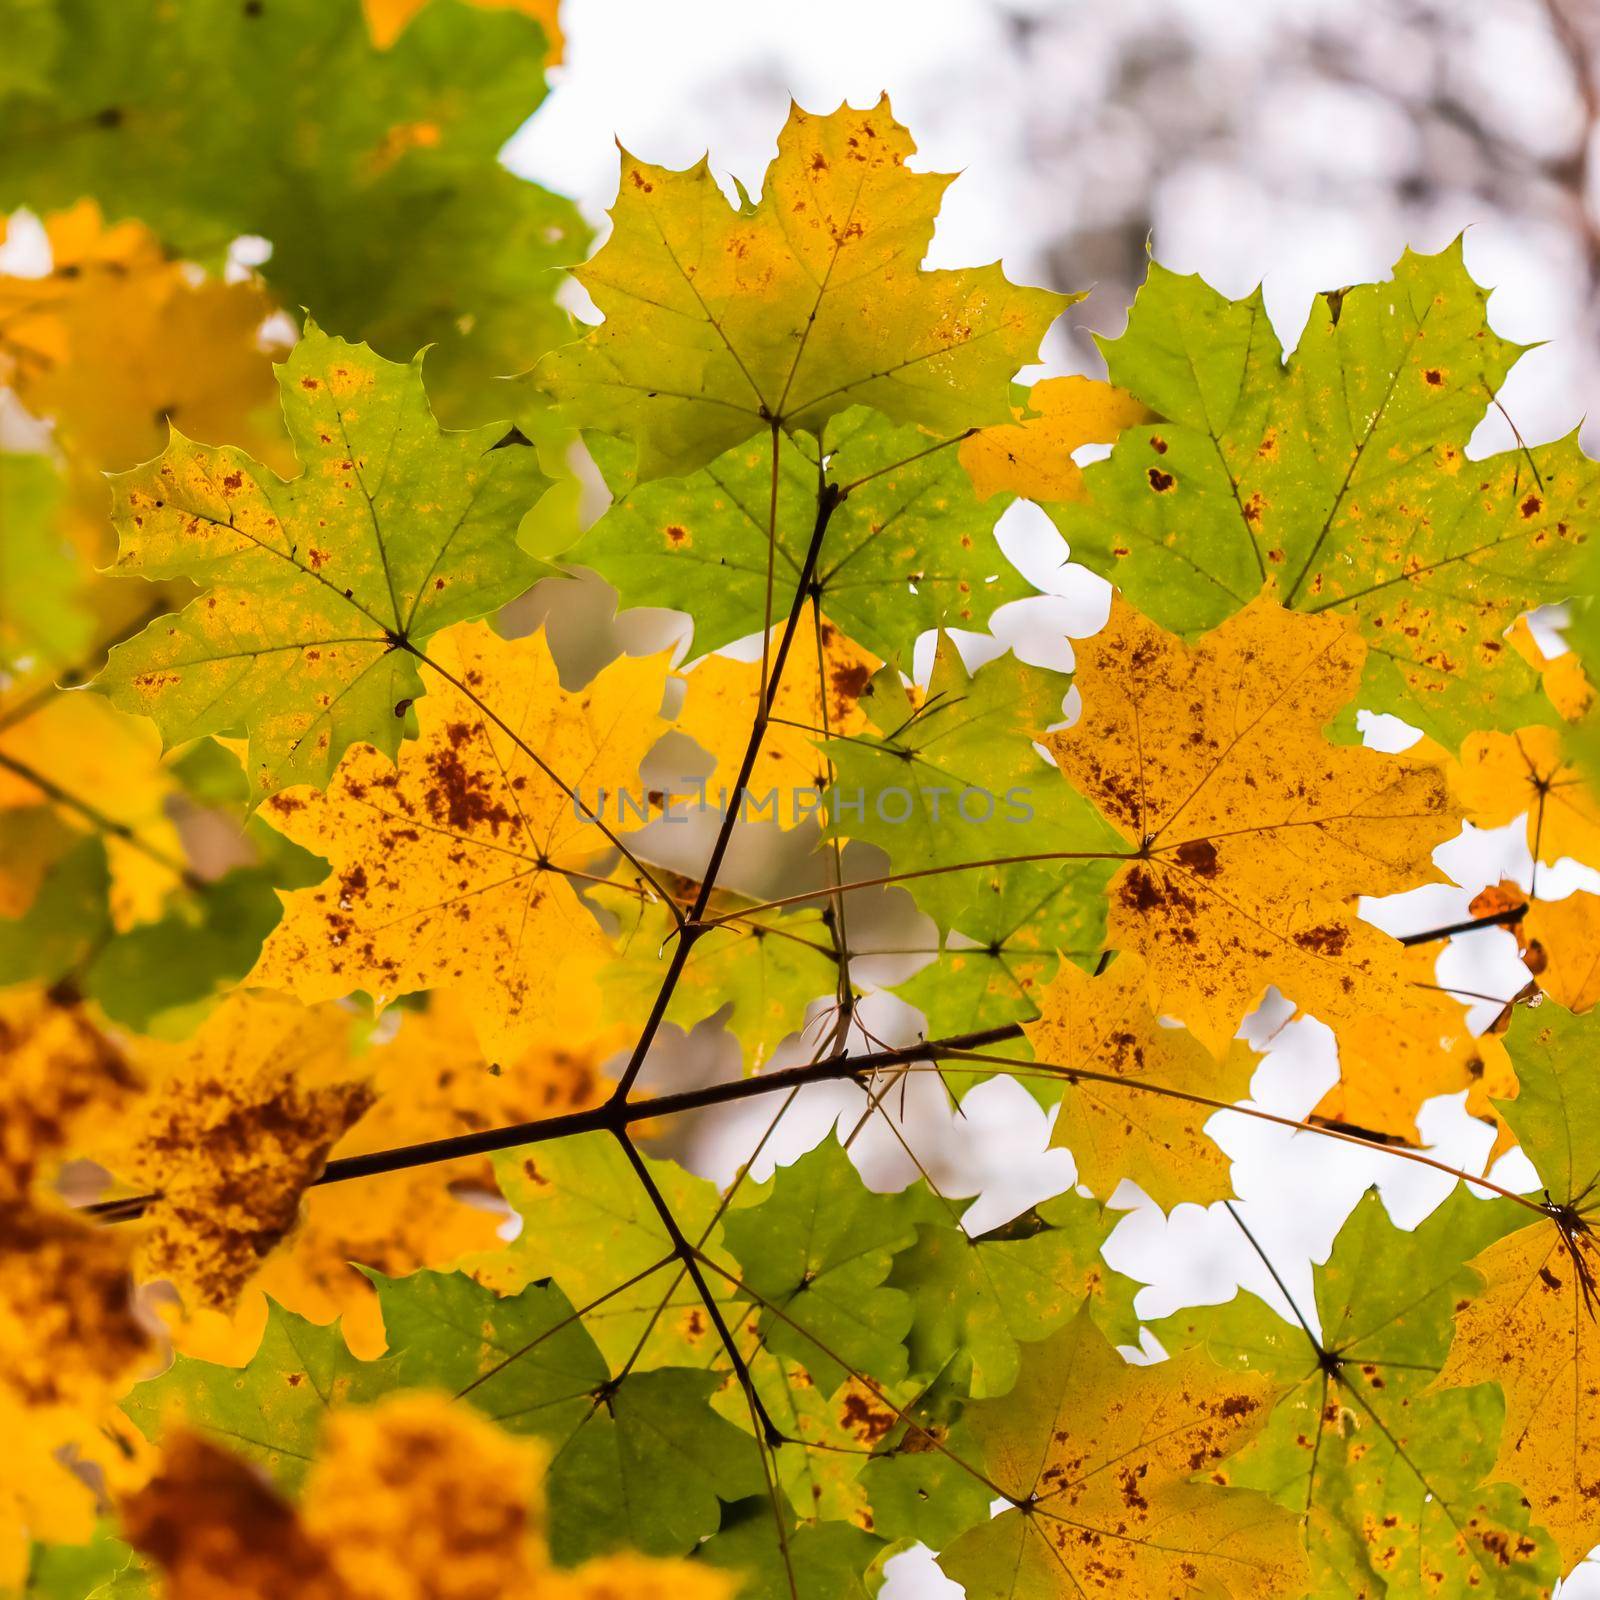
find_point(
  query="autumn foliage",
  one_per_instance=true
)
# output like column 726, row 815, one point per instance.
column 344, row 914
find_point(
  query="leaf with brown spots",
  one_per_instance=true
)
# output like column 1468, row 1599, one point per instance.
column 1255, row 833
column 448, row 868
column 430, row 1082
column 318, row 589
column 1108, row 1467
column 723, row 322
column 235, row 1125
column 1561, row 947
column 1121, row 1129
column 1340, row 480
column 820, row 695
column 1532, row 1329
column 1388, row 1472
column 414, row 1498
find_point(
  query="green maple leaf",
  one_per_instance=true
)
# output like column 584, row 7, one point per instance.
column 639, row 1459
column 956, row 780
column 921, row 1481
column 723, row 322
column 981, row 1296
column 1556, row 1112
column 1341, row 480
column 393, row 530
column 588, row 1224
column 1388, row 1473
column 819, row 1561
column 525, row 1360
column 373, row 173
column 272, row 1409
column 43, row 625
column 767, row 970
column 910, row 548
column 69, row 918
column 1004, row 946
column 816, row 1255
column 648, row 1467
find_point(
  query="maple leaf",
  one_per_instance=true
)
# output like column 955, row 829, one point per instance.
column 1390, row 1062
column 1562, row 950
column 272, row 1408
column 1531, row 1329
column 954, row 781
column 318, row 585
column 1100, row 1461
column 43, row 623
column 985, row 1295
column 236, row 1124
column 722, row 321
column 815, row 1256
column 823, row 691
column 372, row 172
column 219, row 1533
column 62, row 1073
column 69, row 1335
column 1387, row 1472
column 1341, row 481
column 1032, row 456
column 588, row 1224
column 1504, row 775
column 447, row 869
column 1254, row 832
column 909, row 547
column 1003, row 948
column 430, row 1082
column 1105, row 1025
column 767, row 968
column 118, row 342
column 100, row 772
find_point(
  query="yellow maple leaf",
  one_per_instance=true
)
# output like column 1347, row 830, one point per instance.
column 1105, row 1025
column 816, row 698
column 236, row 1124
column 61, row 1071
column 1032, row 456
column 118, row 341
column 1532, row 1331
column 447, row 869
column 431, row 1082
column 69, row 1336
column 388, row 19
column 1392, row 1061
column 722, row 322
column 85, row 750
column 1561, row 946
column 1102, row 1463
column 1504, row 775
column 1256, row 834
